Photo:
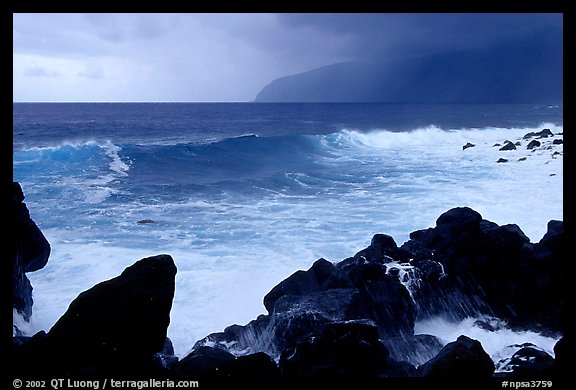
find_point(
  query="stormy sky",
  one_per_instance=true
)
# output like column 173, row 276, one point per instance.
column 228, row 57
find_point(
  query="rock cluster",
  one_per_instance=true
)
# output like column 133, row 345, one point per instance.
column 356, row 317
column 536, row 141
column 350, row 319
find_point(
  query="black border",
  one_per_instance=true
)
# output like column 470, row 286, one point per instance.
column 282, row 6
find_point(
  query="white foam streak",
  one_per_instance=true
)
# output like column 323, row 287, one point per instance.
column 116, row 165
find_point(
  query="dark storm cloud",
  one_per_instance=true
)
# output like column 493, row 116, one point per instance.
column 399, row 34
column 223, row 57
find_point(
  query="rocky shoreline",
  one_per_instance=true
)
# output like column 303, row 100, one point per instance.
column 534, row 142
column 350, row 319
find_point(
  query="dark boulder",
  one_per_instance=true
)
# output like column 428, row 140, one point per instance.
column 491, row 269
column 389, row 303
column 214, row 366
column 299, row 317
column 505, row 238
column 454, row 225
column 31, row 251
column 552, row 239
column 382, row 249
column 468, row 145
column 366, row 273
column 385, row 302
column 305, row 302
column 323, row 275
column 342, row 349
column 256, row 336
column 533, row 144
column 116, row 327
column 464, row 357
column 508, row 145
column 459, row 219
column 544, row 133
column 417, row 349
column 257, row 367
column 502, row 160
column 202, row 363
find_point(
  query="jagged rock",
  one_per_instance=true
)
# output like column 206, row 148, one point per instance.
column 382, row 249
column 492, row 269
column 257, row 367
column 462, row 267
column 202, row 363
column 341, row 349
column 117, row 326
column 464, row 357
column 384, row 301
column 299, row 317
column 320, row 277
column 306, row 301
column 213, row 363
column 468, row 145
column 417, row 349
column 31, row 251
column 508, row 145
column 502, row 160
column 544, row 133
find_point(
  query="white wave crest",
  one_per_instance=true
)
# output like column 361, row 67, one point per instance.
column 435, row 136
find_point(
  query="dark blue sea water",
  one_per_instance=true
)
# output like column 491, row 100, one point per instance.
column 244, row 194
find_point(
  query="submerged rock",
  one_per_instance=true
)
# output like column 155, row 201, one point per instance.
column 508, row 145
column 533, row 144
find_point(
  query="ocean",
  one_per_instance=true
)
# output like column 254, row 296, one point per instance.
column 242, row 195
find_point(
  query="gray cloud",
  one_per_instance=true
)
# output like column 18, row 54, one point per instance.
column 230, row 57
column 39, row 71
column 416, row 33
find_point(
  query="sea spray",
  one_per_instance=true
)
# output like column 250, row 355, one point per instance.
column 499, row 341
